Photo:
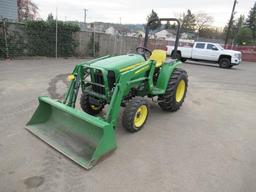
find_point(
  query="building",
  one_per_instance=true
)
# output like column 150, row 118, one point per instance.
column 111, row 31
column 165, row 35
column 9, row 10
column 138, row 34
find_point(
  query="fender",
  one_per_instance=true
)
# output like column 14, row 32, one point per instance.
column 165, row 74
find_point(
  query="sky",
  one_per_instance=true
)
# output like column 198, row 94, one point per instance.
column 136, row 11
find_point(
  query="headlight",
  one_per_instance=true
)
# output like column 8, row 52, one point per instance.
column 237, row 55
column 71, row 77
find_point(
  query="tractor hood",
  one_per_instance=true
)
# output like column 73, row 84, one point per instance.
column 120, row 63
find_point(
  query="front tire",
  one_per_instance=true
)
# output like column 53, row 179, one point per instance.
column 89, row 107
column 135, row 114
column 225, row 63
column 176, row 91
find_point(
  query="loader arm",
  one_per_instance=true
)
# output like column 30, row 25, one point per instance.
column 124, row 81
column 77, row 79
column 119, row 90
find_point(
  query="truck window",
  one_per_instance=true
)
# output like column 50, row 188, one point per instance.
column 212, row 47
column 200, row 45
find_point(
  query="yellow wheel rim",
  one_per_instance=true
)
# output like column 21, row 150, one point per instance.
column 180, row 91
column 140, row 116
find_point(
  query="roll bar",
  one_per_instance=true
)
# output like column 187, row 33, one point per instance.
column 177, row 33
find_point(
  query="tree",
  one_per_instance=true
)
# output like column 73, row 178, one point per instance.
column 168, row 25
column 156, row 24
column 173, row 26
column 244, row 37
column 50, row 17
column 203, row 21
column 188, row 21
column 210, row 33
column 251, row 21
column 236, row 25
column 27, row 10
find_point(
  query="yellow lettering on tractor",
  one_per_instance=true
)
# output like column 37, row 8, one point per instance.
column 130, row 67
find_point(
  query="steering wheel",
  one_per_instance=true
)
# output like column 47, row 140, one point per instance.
column 145, row 52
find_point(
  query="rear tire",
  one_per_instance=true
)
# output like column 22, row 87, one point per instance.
column 225, row 63
column 176, row 91
column 88, row 107
column 135, row 114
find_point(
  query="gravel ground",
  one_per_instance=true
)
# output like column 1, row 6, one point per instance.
column 208, row 145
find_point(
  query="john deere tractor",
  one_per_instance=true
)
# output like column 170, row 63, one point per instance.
column 109, row 82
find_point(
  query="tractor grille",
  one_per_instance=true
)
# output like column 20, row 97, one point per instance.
column 98, row 78
column 111, row 79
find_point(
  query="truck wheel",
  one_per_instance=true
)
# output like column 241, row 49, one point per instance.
column 183, row 60
column 88, row 107
column 225, row 63
column 135, row 114
column 176, row 91
column 178, row 55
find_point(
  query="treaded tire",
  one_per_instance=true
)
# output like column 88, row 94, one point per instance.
column 167, row 101
column 130, row 112
column 183, row 60
column 225, row 63
column 86, row 106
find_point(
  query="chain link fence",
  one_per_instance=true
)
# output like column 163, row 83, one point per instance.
column 38, row 38
column 12, row 39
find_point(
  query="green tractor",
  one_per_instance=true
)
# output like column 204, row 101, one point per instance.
column 126, row 80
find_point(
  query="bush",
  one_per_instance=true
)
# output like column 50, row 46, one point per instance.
column 2, row 46
column 15, row 42
column 42, row 35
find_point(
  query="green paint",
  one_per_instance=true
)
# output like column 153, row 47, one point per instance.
column 85, row 138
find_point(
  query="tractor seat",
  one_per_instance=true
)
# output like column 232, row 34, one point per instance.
column 159, row 56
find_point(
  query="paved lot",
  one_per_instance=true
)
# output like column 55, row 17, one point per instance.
column 209, row 145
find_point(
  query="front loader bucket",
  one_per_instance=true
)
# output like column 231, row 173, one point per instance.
column 78, row 135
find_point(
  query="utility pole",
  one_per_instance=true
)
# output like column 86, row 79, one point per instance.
column 85, row 14
column 230, row 22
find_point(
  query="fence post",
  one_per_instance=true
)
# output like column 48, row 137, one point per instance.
column 93, row 37
column 5, row 38
column 114, row 50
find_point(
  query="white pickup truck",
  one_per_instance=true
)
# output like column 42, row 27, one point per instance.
column 209, row 52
